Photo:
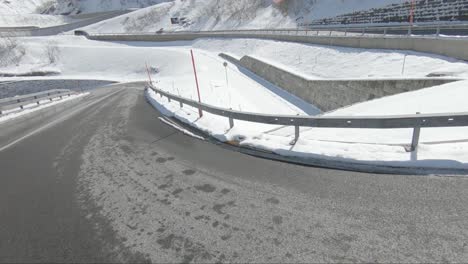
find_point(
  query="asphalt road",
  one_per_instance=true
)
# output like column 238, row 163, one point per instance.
column 106, row 181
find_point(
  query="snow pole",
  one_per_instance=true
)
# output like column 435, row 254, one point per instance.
column 196, row 82
column 149, row 75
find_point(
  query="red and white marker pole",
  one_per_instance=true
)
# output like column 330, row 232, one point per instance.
column 196, row 81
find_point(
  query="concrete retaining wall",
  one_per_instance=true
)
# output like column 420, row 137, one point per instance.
column 329, row 95
column 455, row 48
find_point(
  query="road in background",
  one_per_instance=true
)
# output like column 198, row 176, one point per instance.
column 110, row 182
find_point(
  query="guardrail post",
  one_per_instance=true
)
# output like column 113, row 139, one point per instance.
column 385, row 32
column 416, row 133
column 438, row 31
column 231, row 122
column 363, row 31
column 346, row 31
column 409, row 31
column 296, row 135
column 169, row 99
column 181, row 105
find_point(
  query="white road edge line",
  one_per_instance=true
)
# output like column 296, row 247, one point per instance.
column 183, row 130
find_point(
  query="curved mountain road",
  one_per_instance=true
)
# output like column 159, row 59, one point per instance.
column 106, row 181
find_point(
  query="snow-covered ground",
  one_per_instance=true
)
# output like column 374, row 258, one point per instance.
column 22, row 13
column 328, row 62
column 46, row 13
column 10, row 7
column 79, row 57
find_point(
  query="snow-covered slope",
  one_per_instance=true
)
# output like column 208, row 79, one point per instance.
column 10, row 7
column 57, row 7
column 328, row 62
column 228, row 14
column 197, row 14
column 93, row 6
column 45, row 13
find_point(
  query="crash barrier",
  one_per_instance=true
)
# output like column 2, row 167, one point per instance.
column 416, row 122
column 19, row 102
column 456, row 47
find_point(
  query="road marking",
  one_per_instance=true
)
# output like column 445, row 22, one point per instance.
column 179, row 128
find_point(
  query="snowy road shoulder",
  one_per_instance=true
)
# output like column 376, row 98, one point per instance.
column 446, row 156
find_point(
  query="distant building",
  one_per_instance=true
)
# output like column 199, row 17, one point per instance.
column 425, row 11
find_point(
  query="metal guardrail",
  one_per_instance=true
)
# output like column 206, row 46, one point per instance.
column 29, row 97
column 416, row 122
column 436, row 29
column 8, row 104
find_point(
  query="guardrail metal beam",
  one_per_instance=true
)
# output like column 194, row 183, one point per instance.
column 26, row 97
column 347, row 29
column 416, row 122
column 37, row 100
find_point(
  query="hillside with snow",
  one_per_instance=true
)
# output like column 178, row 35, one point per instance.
column 46, row 13
column 227, row 14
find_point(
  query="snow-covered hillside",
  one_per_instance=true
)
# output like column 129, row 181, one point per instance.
column 45, row 13
column 11, row 7
column 93, row 6
column 193, row 14
column 57, row 7
column 228, row 14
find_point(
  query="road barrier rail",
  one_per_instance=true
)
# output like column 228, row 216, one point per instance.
column 8, row 104
column 408, row 30
column 416, row 121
